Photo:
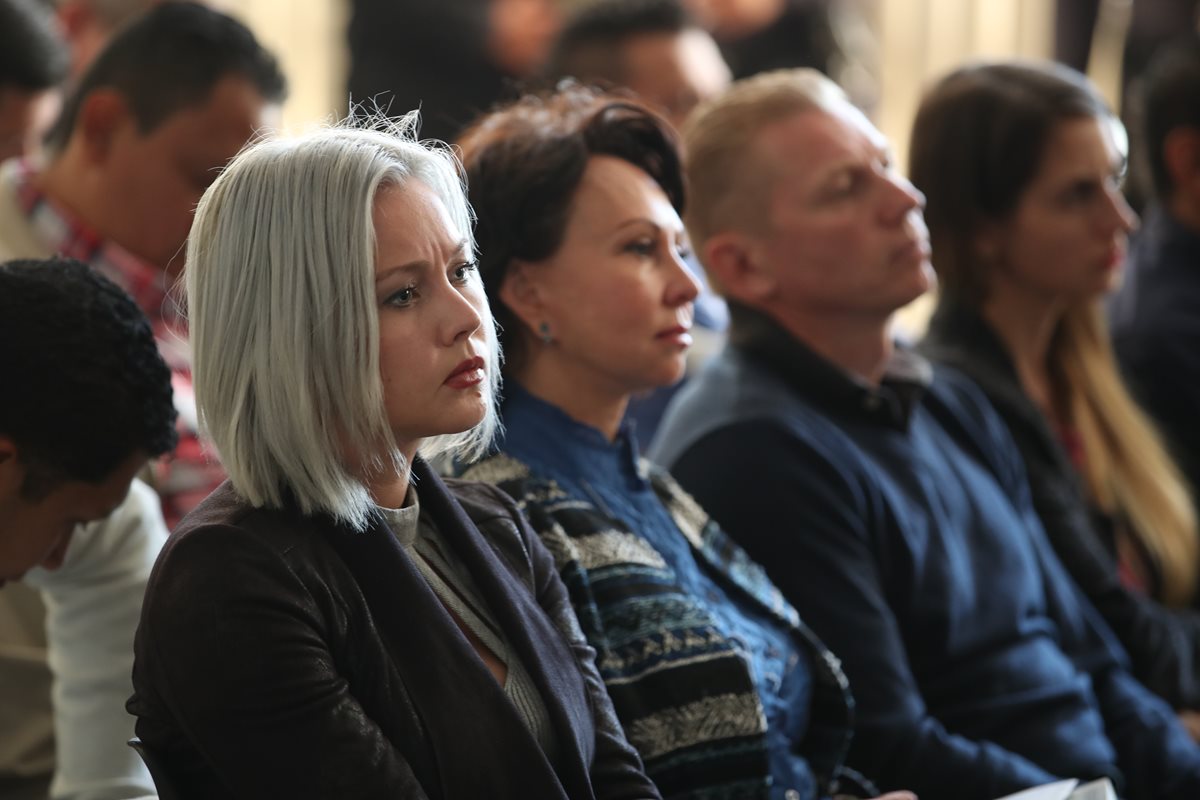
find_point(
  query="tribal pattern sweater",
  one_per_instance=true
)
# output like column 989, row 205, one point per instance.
column 684, row 694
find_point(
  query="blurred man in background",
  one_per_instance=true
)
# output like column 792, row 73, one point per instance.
column 33, row 62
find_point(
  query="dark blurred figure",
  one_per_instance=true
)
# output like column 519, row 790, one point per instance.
column 33, row 60
column 1156, row 314
column 654, row 47
column 1152, row 24
column 87, row 25
column 761, row 35
column 451, row 58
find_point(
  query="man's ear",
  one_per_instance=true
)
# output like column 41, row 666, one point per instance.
column 101, row 115
column 522, row 292
column 736, row 266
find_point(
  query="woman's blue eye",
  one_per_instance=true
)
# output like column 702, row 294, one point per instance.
column 463, row 271
column 403, row 298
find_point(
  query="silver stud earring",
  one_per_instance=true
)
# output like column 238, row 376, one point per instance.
column 544, row 333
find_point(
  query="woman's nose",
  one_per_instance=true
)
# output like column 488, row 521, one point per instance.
column 682, row 285
column 1125, row 218
column 466, row 313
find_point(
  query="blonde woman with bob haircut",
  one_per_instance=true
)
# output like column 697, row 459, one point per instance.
column 1020, row 163
column 335, row 620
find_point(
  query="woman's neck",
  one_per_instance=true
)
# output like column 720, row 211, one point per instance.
column 581, row 393
column 389, row 488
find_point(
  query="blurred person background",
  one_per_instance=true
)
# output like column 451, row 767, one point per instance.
column 898, row 46
column 33, row 61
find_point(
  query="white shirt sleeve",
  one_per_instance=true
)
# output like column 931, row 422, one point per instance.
column 93, row 603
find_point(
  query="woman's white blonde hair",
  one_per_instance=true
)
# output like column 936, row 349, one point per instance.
column 284, row 326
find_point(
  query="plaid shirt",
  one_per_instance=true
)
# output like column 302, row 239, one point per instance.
column 186, row 476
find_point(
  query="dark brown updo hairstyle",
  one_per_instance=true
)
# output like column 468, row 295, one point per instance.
column 977, row 143
column 524, row 162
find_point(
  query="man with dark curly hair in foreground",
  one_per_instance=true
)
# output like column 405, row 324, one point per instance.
column 86, row 401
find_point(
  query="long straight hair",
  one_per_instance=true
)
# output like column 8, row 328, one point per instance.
column 283, row 320
column 1127, row 469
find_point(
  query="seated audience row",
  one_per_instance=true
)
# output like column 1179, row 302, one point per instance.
column 885, row 498
column 980, row 540
column 891, row 507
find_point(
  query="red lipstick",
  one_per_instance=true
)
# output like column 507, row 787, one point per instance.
column 468, row 373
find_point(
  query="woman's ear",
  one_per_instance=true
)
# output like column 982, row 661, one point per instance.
column 521, row 292
column 1181, row 156
column 986, row 244
column 737, row 269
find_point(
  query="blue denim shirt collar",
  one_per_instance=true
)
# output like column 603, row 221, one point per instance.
column 538, row 431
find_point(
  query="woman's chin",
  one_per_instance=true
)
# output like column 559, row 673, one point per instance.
column 664, row 378
column 458, row 421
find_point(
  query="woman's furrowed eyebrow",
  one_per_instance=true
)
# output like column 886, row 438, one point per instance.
column 410, row 267
column 460, row 249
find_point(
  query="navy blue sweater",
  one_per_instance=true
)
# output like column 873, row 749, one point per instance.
column 898, row 521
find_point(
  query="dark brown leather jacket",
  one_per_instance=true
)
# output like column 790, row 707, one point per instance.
column 283, row 655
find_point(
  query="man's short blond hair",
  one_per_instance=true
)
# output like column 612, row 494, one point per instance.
column 729, row 181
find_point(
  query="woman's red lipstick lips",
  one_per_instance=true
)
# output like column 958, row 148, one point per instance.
column 467, row 374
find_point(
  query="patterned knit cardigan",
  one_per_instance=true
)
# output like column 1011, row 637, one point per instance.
column 682, row 691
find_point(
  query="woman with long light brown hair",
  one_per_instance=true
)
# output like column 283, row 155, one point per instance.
column 1021, row 164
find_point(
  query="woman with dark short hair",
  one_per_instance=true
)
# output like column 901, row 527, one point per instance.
column 335, row 621
column 1021, row 166
column 719, row 685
